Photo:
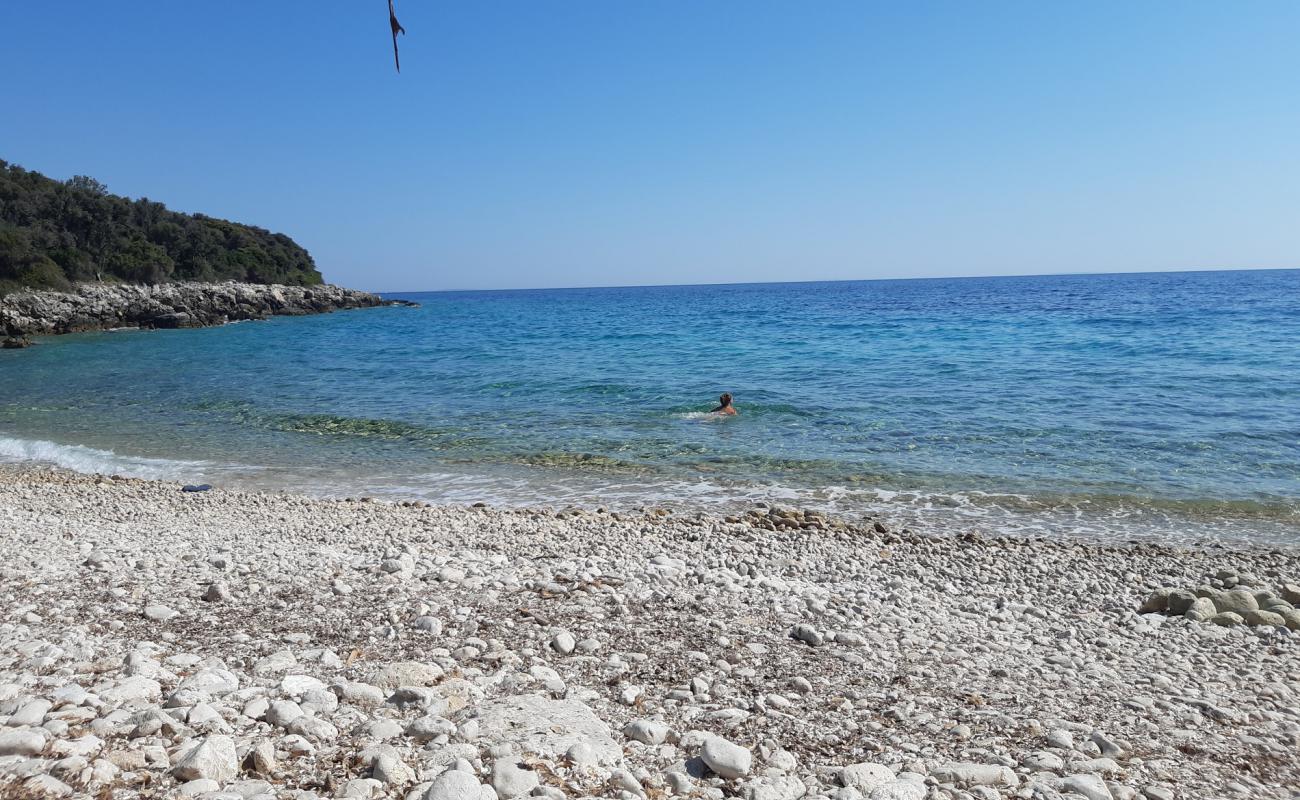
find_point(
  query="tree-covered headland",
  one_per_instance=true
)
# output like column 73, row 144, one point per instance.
column 56, row 233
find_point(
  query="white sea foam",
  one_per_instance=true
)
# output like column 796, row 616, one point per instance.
column 80, row 458
column 987, row 513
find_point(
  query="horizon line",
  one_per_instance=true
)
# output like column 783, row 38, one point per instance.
column 842, row 280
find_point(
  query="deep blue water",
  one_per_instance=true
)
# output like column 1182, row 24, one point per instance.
column 1146, row 404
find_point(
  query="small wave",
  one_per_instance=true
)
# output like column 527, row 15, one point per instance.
column 751, row 409
column 80, row 458
column 707, row 416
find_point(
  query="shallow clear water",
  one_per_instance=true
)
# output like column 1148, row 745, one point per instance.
column 1163, row 405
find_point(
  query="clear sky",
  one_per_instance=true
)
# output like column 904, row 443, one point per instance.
column 604, row 142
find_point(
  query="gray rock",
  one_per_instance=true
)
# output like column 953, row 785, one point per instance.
column 808, row 635
column 1180, row 600
column 1237, row 601
column 1227, row 619
column 1108, row 746
column 1259, row 617
column 159, row 613
column 1201, row 610
column 430, row 625
column 260, row 758
column 1043, row 761
column 430, row 727
column 217, row 592
column 1157, row 601
column 563, row 643
column 1090, row 786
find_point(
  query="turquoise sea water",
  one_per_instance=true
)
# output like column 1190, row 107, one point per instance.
column 1163, row 405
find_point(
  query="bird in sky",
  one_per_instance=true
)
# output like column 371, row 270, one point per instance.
column 397, row 28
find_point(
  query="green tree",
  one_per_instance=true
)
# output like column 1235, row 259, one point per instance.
column 53, row 233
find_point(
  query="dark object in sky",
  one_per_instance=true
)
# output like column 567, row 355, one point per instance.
column 397, row 28
column 202, row 487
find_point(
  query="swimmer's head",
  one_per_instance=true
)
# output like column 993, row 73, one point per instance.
column 725, row 399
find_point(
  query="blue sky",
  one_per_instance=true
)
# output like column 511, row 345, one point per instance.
column 589, row 142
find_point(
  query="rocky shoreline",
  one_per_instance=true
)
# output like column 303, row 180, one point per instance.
column 243, row 645
column 223, row 645
column 94, row 306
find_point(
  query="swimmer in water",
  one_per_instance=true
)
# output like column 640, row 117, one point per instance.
column 726, row 407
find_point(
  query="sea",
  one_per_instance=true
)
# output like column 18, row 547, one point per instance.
column 1135, row 407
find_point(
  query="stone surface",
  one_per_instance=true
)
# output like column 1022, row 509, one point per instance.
column 546, row 726
column 978, row 666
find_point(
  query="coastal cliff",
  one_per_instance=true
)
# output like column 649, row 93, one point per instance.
column 90, row 307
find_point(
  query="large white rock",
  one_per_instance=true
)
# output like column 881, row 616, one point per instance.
column 726, row 759
column 32, row 713
column 215, row 682
column 454, row 785
column 135, row 689
column 780, row 787
column 509, row 779
column 1090, row 786
column 363, row 695
column 213, row 759
column 866, row 776
column 283, row 713
column 299, row 685
column 646, row 731
column 899, row 790
column 22, row 741
column 275, row 663
column 406, row 673
column 47, row 786
column 548, row 727
column 975, row 775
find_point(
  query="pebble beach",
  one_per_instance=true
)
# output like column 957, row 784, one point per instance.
column 223, row 644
